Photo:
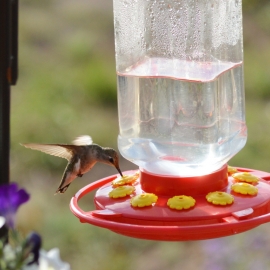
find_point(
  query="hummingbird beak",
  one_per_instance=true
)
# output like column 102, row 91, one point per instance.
column 118, row 169
column 114, row 160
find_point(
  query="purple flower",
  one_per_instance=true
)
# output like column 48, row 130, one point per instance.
column 32, row 245
column 10, row 199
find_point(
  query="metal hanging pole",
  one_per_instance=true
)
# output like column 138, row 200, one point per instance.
column 8, row 77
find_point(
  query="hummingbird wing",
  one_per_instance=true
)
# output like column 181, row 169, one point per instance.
column 59, row 150
column 83, row 140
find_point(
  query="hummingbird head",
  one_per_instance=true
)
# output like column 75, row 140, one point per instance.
column 111, row 158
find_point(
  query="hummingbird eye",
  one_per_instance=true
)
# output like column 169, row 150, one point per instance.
column 111, row 159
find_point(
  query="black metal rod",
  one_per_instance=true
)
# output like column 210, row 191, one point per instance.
column 14, row 41
column 8, row 77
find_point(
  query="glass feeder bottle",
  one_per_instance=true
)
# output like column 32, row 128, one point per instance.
column 180, row 84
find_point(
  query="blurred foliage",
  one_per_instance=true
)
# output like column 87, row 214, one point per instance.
column 67, row 87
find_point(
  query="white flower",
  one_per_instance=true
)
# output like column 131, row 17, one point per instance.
column 49, row 261
column 9, row 253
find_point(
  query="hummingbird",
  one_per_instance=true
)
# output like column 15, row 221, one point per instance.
column 82, row 155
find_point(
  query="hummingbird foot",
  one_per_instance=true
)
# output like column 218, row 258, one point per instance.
column 79, row 174
column 61, row 190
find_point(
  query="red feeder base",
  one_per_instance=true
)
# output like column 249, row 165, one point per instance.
column 159, row 222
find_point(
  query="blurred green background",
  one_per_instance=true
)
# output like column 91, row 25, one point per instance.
column 66, row 88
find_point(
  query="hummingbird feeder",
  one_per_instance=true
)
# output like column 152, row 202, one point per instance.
column 182, row 118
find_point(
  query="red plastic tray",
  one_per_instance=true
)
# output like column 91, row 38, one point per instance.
column 158, row 222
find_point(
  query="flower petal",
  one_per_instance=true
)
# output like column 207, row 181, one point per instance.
column 19, row 198
column 32, row 245
column 10, row 200
column 52, row 259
